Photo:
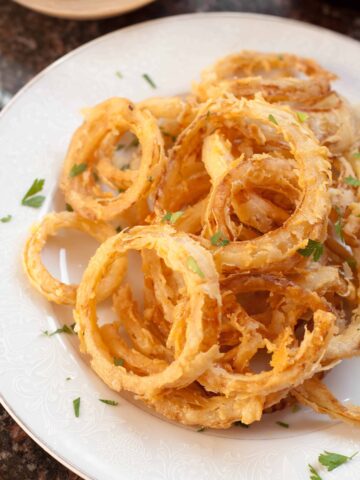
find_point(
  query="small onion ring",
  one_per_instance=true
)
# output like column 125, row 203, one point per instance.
column 114, row 116
column 51, row 288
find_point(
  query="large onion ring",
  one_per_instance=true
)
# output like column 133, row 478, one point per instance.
column 198, row 350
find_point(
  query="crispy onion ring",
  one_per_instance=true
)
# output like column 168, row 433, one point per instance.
column 275, row 76
column 97, row 138
column 254, row 118
column 290, row 363
column 42, row 280
column 193, row 406
column 202, row 297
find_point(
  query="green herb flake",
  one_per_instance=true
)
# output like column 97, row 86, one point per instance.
column 295, row 408
column 166, row 217
column 30, row 199
column 239, row 423
column 332, row 460
column 357, row 155
column 76, row 406
column 272, row 119
column 149, row 80
column 34, row 202
column 96, row 177
column 119, row 362
column 201, row 429
column 314, row 474
column 77, row 169
column 172, row 217
column 119, row 74
column 150, row 179
column 120, row 146
column 63, row 329
column 338, row 225
column 280, row 57
column 68, row 378
column 302, row 116
column 125, row 167
column 354, row 182
column 109, row 402
column 219, row 240
column 6, row 219
column 282, row 424
column 69, row 208
column 121, row 190
column 193, row 266
column 314, row 248
column 119, row 229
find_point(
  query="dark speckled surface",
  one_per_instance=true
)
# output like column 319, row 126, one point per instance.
column 29, row 42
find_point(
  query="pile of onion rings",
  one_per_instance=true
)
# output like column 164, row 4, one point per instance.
column 241, row 203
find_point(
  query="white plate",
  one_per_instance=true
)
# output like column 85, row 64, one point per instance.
column 83, row 9
column 127, row 442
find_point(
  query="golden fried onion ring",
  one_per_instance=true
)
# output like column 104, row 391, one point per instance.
column 276, row 76
column 42, row 280
column 200, row 313
column 98, row 136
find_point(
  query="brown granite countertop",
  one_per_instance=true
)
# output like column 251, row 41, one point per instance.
column 29, row 42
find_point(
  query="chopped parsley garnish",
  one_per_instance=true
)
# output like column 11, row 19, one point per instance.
column 120, row 146
column 302, row 116
column 77, row 169
column 219, row 240
column 76, row 405
column 69, row 208
column 6, row 219
column 332, row 460
column 356, row 155
column 272, row 119
column 239, row 423
column 172, row 217
column 338, row 225
column 314, row 248
column 125, row 167
column 30, row 199
column 354, row 182
column 119, row 74
column 121, row 190
column 150, row 178
column 119, row 362
column 314, row 475
column 282, row 424
column 63, row 329
column 295, row 408
column 149, row 80
column 96, row 177
column 201, row 429
column 193, row 266
column 109, row 402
